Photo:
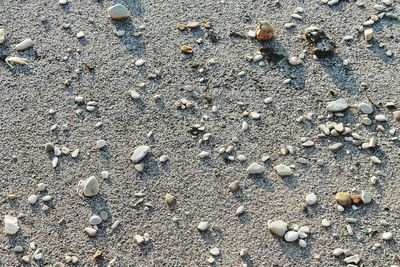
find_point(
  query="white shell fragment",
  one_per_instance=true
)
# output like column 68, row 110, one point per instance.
column 10, row 224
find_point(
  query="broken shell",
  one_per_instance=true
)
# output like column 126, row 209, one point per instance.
column 16, row 61
column 322, row 45
column 186, row 49
column 25, row 44
column 265, row 31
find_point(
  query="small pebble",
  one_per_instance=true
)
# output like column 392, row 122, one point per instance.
column 95, row 220
column 169, row 199
column 283, row 170
column 387, row 236
column 234, row 186
column 139, row 153
column 202, row 226
column 240, row 210
column 325, row 223
column 291, row 236
column 278, row 228
column 118, row 12
column 90, row 231
column 214, row 251
column 255, row 168
column 311, row 199
column 32, row 199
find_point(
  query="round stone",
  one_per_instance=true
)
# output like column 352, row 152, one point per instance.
column 202, row 226
column 387, row 236
column 302, row 243
column 337, row 105
column 291, row 236
column 46, row 198
column 278, row 228
column 381, row 118
column 343, row 199
column 95, row 220
column 365, row 108
column 140, row 62
column 234, row 186
column 325, row 223
column 32, row 199
column 311, row 199
column 100, row 144
column 103, row 215
column 214, row 251
column 90, row 231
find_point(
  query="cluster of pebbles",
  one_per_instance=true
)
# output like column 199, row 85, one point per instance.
column 321, row 46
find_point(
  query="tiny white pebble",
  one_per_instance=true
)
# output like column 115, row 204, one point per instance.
column 32, row 199
column 140, row 62
column 105, row 174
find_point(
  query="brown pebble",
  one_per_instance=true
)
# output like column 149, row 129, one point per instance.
column 186, row 49
column 181, row 26
column 356, row 199
column 343, row 199
column 98, row 254
column 265, row 31
column 207, row 25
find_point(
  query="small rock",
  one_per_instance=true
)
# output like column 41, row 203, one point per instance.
column 139, row 239
column 311, row 199
column 100, row 144
column 2, row 35
column 396, row 116
column 255, row 168
column 103, row 215
column 91, row 187
column 325, row 223
column 365, row 108
column 186, row 49
column 234, row 186
column 264, row 31
column 10, row 225
column 343, row 199
column 90, row 231
column 283, row 170
column 375, row 160
column 387, row 236
column 352, row 259
column 80, row 35
column 240, row 210
column 204, row 154
column 214, row 251
column 381, row 118
column 368, row 34
column 46, row 198
column 278, row 228
column 295, row 61
column 18, row 249
column 366, row 197
column 169, row 199
column 322, row 46
column 302, row 243
column 118, row 12
column 25, row 44
column 335, row 147
column 291, row 236
column 95, row 220
column 337, row 105
column 338, row 251
column 75, row 153
column 32, row 199
column 202, row 226
column 140, row 62
column 139, row 153
column 193, row 25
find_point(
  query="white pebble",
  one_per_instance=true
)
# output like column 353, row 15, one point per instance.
column 291, row 236
column 32, row 199
column 311, row 199
column 105, row 174
column 325, row 223
column 95, row 220
column 387, row 236
column 140, row 62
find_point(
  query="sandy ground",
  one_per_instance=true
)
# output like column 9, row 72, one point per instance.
column 200, row 186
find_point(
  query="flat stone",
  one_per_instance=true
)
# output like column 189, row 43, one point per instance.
column 25, row 44
column 278, row 228
column 338, row 251
column 353, row 259
column 234, row 186
column 95, row 220
column 387, row 236
column 335, row 147
column 302, row 243
column 91, row 187
column 365, row 108
column 343, row 199
column 255, row 168
column 295, row 61
column 337, row 105
column 139, row 153
column 291, row 236
column 283, row 170
column 90, row 231
column 10, row 225
column 118, row 12
column 140, row 62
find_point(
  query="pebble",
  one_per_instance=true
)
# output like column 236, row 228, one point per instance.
column 90, row 231
column 54, row 162
column 103, row 215
column 387, row 236
column 25, row 44
column 234, row 186
column 296, row 16
column 139, row 167
column 291, row 236
column 338, row 251
column 139, row 153
column 204, row 154
column 193, row 25
column 366, row 121
column 140, row 62
column 343, row 199
column 381, row 118
column 80, row 35
column 335, row 147
column 118, row 12
column 264, row 31
column 365, row 108
column 368, row 34
column 295, row 61
column 283, row 170
column 115, row 224
column 311, row 199
column 240, row 210
column 75, row 153
column 255, row 168
column 32, row 199
column 211, row 260
column 135, row 95
column 105, row 174
column 91, row 187
column 214, row 251
column 95, row 220
column 366, row 197
column 100, row 144
column 325, row 223
column 10, row 224
column 278, row 228
column 2, row 35
column 302, row 243
column 46, row 198
column 38, row 256
column 41, row 187
column 202, row 226
column 164, row 158
column 337, row 105
column 375, row 160
column 241, row 157
column 169, row 199
column 353, row 259
column 18, row 249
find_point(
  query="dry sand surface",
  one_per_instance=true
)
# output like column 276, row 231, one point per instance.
column 206, row 117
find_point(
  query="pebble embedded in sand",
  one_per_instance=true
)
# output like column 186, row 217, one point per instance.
column 32, row 199
column 335, row 147
column 100, row 144
column 204, row 154
column 365, row 108
column 264, row 31
column 343, row 199
column 387, row 236
column 202, row 226
column 283, row 170
column 139, row 153
column 91, row 187
column 169, row 199
column 295, row 61
column 352, row 259
column 25, row 44
column 381, row 118
column 80, row 35
column 90, row 231
column 240, row 210
column 118, row 12
column 311, row 199
column 255, row 168
column 10, row 225
column 325, row 223
column 337, row 105
column 366, row 197
column 368, row 34
column 375, row 160
column 234, row 186
column 214, row 251
column 140, row 62
column 278, row 228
